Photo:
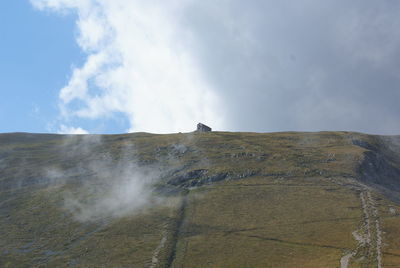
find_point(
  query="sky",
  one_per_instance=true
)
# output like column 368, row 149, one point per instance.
column 100, row 66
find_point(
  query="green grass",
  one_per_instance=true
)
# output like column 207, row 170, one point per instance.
column 265, row 222
column 288, row 200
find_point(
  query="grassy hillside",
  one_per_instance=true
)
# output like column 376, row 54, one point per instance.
column 219, row 199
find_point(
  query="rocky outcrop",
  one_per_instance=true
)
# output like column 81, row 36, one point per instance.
column 380, row 168
column 197, row 178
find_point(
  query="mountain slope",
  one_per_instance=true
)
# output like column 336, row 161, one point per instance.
column 216, row 199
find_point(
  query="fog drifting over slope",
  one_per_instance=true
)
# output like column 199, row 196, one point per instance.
column 110, row 184
column 249, row 66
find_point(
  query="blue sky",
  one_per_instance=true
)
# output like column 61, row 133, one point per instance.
column 99, row 66
column 36, row 54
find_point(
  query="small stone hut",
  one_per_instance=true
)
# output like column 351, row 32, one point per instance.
column 203, row 128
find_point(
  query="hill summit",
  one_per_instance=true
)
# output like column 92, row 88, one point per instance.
column 202, row 199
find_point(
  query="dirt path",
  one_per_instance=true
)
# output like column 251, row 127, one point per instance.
column 344, row 261
column 377, row 230
column 154, row 259
column 177, row 230
column 367, row 222
column 369, row 236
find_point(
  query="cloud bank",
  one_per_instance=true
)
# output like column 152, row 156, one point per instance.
column 137, row 65
column 249, row 66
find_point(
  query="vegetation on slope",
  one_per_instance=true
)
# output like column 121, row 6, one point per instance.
column 214, row 199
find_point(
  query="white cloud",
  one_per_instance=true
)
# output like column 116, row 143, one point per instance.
column 138, row 64
column 71, row 130
column 253, row 66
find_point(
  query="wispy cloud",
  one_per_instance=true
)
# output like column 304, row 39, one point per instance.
column 71, row 130
column 254, row 66
column 107, row 183
column 139, row 64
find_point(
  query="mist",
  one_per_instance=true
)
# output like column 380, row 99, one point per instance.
column 104, row 183
column 117, row 192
